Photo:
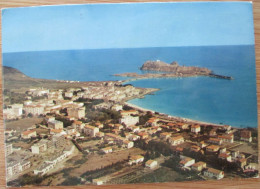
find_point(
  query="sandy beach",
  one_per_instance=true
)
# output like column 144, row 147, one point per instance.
column 186, row 120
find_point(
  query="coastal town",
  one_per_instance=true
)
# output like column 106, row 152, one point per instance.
column 92, row 135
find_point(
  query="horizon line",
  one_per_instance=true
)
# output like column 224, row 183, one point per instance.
column 127, row 48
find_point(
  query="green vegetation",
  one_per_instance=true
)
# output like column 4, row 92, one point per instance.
column 155, row 146
column 13, row 98
column 89, row 103
column 144, row 118
column 71, row 181
column 27, row 180
column 104, row 115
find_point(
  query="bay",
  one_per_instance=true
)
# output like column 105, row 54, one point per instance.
column 213, row 100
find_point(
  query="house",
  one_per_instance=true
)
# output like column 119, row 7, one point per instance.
column 225, row 156
column 195, row 148
column 134, row 137
column 195, row 129
column 178, row 125
column 77, row 112
column 151, row 164
column 128, row 144
column 56, row 131
column 106, row 150
column 99, row 125
column 133, row 128
column 176, row 140
column 212, row 148
column 135, row 159
column 227, row 138
column 78, row 125
column 217, row 141
column 90, row 130
column 213, row 133
column 97, row 181
column 186, row 162
column 152, row 122
column 28, row 134
column 117, row 107
column 143, row 135
column 214, row 173
column 246, row 135
column 199, row 166
column 165, row 135
column 55, row 124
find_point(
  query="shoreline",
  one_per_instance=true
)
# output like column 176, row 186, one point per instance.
column 176, row 118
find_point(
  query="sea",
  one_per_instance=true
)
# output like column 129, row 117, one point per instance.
column 219, row 101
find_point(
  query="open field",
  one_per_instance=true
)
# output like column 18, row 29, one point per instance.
column 22, row 124
column 96, row 161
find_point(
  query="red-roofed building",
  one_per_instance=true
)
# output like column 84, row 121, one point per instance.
column 176, row 140
column 187, row 161
column 217, row 141
column 245, row 135
column 199, row 166
column 227, row 138
column 195, row 128
column 225, row 156
column 214, row 173
column 212, row 148
column 28, row 134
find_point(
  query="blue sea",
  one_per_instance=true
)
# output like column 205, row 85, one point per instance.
column 208, row 99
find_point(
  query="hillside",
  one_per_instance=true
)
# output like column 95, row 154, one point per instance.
column 14, row 79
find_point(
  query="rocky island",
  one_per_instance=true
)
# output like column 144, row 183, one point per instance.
column 171, row 70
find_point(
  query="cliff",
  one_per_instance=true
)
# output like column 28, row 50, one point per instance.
column 174, row 67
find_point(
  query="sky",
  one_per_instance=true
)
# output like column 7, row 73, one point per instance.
column 127, row 25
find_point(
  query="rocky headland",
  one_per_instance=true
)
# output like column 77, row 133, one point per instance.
column 165, row 70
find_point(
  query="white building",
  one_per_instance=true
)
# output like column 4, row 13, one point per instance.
column 34, row 109
column 135, row 159
column 55, row 124
column 129, row 120
column 77, row 112
column 214, row 173
column 176, row 140
column 195, row 128
column 151, row 164
column 90, row 130
column 187, row 161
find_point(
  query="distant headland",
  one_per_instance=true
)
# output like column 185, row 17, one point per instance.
column 172, row 70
